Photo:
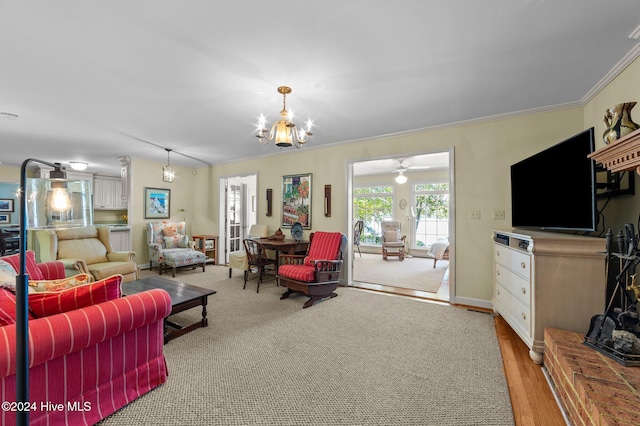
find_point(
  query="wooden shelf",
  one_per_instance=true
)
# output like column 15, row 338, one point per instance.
column 623, row 155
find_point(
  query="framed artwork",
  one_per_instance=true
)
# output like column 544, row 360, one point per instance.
column 296, row 200
column 208, row 244
column 6, row 205
column 5, row 218
column 156, row 203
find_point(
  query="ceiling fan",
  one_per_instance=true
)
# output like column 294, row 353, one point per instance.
column 403, row 167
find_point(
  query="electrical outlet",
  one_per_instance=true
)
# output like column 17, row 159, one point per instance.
column 474, row 214
column 498, row 214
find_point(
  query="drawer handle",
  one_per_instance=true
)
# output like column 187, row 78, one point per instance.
column 497, row 253
column 498, row 273
column 524, row 316
column 524, row 290
column 524, row 265
column 497, row 291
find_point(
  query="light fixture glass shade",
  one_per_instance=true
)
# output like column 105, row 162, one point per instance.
column 168, row 175
column 56, row 204
column 60, row 197
column 78, row 165
column 401, row 178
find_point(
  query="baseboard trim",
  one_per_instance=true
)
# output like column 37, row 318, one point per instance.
column 468, row 301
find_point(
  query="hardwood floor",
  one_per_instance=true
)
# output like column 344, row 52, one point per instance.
column 532, row 400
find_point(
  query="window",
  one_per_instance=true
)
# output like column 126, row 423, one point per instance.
column 372, row 205
column 431, row 201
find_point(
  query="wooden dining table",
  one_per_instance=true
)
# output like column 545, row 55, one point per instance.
column 287, row 246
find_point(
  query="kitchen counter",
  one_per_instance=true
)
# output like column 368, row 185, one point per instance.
column 115, row 227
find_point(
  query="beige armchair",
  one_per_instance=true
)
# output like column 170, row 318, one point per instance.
column 238, row 259
column 392, row 240
column 85, row 250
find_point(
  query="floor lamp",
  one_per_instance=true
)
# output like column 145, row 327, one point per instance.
column 22, row 283
column 410, row 216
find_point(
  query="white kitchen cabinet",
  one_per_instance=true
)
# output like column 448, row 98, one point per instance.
column 544, row 279
column 120, row 240
column 104, row 193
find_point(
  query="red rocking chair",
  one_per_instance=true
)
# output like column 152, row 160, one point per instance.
column 315, row 275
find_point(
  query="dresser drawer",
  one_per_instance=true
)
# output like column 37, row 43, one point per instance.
column 515, row 284
column 518, row 262
column 517, row 314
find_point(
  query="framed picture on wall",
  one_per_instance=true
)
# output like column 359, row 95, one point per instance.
column 296, row 200
column 5, row 218
column 6, row 205
column 156, row 203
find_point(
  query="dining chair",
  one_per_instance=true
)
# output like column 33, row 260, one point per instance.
column 257, row 258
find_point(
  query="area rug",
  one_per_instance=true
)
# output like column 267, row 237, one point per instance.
column 413, row 272
column 357, row 359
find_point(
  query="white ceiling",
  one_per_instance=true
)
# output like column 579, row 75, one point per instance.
column 97, row 80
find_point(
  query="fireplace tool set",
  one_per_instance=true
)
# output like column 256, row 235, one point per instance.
column 616, row 333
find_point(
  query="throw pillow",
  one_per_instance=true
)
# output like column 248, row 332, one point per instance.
column 32, row 268
column 391, row 236
column 47, row 303
column 171, row 242
column 169, row 231
column 7, row 275
column 58, row 285
column 8, row 309
column 183, row 241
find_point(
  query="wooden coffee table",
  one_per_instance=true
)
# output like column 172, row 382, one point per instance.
column 183, row 297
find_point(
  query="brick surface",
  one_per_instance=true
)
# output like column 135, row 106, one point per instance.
column 593, row 388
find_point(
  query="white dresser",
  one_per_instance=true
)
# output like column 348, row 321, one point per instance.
column 544, row 279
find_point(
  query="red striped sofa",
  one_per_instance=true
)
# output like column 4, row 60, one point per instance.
column 92, row 360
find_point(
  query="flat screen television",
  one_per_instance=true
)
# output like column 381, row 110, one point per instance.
column 555, row 189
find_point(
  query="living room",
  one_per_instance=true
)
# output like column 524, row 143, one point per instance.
column 482, row 148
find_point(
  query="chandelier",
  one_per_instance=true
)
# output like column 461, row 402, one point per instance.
column 284, row 130
column 168, row 174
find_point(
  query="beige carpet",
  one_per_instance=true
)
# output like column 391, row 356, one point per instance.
column 358, row 359
column 413, row 272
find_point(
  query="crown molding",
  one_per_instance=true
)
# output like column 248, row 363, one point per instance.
column 612, row 74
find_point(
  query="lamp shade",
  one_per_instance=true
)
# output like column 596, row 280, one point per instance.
column 54, row 204
column 401, row 178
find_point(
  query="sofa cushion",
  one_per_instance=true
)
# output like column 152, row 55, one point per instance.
column 32, row 269
column 171, row 242
column 7, row 275
column 104, row 270
column 77, row 233
column 324, row 246
column 58, row 285
column 91, row 250
column 47, row 303
column 303, row 273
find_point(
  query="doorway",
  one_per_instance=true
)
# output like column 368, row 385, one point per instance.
column 416, row 191
column 238, row 211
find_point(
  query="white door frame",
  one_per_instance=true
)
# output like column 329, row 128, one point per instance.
column 452, row 215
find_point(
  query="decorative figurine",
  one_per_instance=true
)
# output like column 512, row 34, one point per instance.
column 618, row 122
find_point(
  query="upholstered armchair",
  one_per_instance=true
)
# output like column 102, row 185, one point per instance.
column 392, row 240
column 238, row 259
column 85, row 250
column 169, row 246
column 316, row 274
